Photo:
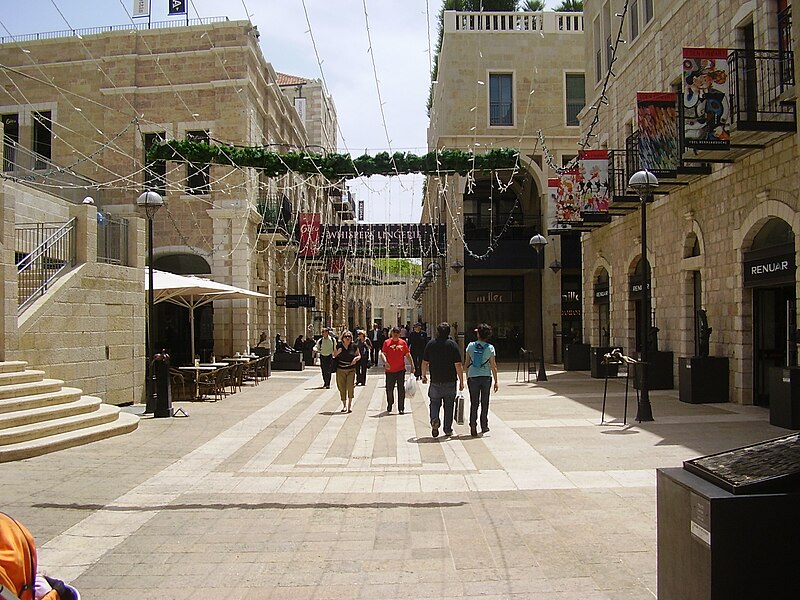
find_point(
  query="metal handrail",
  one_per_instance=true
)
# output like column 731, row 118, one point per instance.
column 46, row 262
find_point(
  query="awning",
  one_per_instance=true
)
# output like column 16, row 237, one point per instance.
column 191, row 292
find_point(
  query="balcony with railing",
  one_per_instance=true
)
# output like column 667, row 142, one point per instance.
column 758, row 80
column 510, row 22
column 276, row 217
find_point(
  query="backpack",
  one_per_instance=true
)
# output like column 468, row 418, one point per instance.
column 477, row 354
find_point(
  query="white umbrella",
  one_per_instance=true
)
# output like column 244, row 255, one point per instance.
column 191, row 291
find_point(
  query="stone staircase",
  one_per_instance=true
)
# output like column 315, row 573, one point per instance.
column 40, row 415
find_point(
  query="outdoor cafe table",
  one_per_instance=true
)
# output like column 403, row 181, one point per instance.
column 241, row 358
column 205, row 367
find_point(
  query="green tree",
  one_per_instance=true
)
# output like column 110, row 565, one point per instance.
column 532, row 5
column 398, row 266
column 570, row 6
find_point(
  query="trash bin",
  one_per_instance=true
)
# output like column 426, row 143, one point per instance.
column 727, row 524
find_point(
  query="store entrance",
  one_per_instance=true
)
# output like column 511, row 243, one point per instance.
column 773, row 327
column 499, row 302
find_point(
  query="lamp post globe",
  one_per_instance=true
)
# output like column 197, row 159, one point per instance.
column 538, row 243
column 644, row 183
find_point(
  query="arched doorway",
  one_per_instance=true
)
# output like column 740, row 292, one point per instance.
column 602, row 303
column 769, row 270
column 172, row 323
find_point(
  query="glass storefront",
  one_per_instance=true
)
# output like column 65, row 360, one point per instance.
column 499, row 302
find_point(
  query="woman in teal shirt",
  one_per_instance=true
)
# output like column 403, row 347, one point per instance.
column 481, row 368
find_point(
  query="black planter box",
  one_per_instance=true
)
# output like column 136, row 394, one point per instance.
column 659, row 373
column 714, row 545
column 283, row 361
column 784, row 397
column 576, row 357
column 703, row 379
column 599, row 370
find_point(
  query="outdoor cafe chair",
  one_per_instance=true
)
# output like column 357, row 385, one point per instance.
column 250, row 370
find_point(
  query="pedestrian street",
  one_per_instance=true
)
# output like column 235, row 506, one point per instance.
column 274, row 493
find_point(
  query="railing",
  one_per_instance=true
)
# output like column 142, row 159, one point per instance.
column 758, row 78
column 44, row 252
column 539, row 22
column 49, row 35
column 501, row 114
column 23, row 165
column 573, row 108
column 785, row 42
column 112, row 240
column 618, row 169
column 276, row 214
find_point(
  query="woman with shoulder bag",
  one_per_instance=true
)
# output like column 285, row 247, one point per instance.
column 481, row 367
column 346, row 356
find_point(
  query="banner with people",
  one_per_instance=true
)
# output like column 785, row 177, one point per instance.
column 565, row 202
column 706, row 98
column 591, row 181
column 657, row 118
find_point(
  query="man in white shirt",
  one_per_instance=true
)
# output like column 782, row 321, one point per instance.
column 325, row 346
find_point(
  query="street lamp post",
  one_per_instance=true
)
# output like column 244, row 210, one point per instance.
column 643, row 183
column 151, row 202
column 538, row 242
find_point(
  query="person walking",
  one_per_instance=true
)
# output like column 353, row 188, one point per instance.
column 365, row 348
column 347, row 356
column 395, row 355
column 443, row 359
column 325, row 347
column 481, row 367
column 416, row 343
column 376, row 338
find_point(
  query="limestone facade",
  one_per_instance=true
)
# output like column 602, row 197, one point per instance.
column 105, row 95
column 698, row 233
column 536, row 52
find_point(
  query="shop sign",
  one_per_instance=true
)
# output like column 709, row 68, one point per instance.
column 602, row 294
column 773, row 269
column 397, row 240
column 489, row 297
column 636, row 288
column 300, row 301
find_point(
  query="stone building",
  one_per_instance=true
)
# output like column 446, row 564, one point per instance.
column 91, row 104
column 502, row 77
column 722, row 228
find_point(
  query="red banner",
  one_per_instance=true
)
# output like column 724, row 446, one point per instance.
column 309, row 234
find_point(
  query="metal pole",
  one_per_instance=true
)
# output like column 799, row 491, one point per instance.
column 644, row 411
column 148, row 388
column 541, row 375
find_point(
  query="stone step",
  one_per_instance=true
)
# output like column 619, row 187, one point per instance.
column 105, row 413
column 10, row 366
column 40, row 414
column 124, row 423
column 42, row 386
column 62, row 395
column 17, row 377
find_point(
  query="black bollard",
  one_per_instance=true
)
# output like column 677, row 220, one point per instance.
column 163, row 392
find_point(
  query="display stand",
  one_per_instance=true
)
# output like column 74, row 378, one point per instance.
column 703, row 379
column 598, row 369
column 576, row 357
column 615, row 359
column 784, row 397
column 527, row 363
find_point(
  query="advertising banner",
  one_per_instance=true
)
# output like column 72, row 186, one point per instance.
column 591, row 182
column 706, row 98
column 399, row 240
column 141, row 8
column 657, row 115
column 566, row 199
column 309, row 233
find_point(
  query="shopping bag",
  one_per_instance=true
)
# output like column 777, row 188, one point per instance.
column 460, row 408
column 411, row 385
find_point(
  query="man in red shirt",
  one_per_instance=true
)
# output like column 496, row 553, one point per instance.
column 396, row 356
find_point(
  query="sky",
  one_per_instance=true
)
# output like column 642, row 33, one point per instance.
column 362, row 49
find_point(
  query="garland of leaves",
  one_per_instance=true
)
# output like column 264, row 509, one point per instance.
column 334, row 166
